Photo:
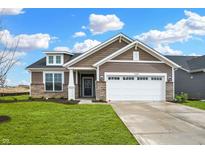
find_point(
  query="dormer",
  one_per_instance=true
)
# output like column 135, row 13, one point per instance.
column 57, row 58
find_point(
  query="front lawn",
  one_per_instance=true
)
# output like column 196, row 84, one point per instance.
column 53, row 123
column 196, row 104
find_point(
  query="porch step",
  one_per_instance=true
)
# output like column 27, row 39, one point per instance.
column 85, row 101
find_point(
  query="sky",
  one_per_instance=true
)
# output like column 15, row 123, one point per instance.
column 169, row 31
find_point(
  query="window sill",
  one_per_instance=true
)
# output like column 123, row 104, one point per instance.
column 53, row 91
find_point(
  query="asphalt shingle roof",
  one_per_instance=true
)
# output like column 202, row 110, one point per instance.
column 189, row 62
column 42, row 63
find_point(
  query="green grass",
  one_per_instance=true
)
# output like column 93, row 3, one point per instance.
column 52, row 123
column 196, row 104
column 14, row 98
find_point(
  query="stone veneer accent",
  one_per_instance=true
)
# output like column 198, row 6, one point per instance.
column 169, row 91
column 37, row 91
column 100, row 90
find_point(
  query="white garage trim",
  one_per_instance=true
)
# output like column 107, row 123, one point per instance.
column 146, row 89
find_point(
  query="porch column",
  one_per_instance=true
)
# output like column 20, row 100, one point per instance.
column 71, row 85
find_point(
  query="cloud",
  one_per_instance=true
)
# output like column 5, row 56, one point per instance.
column 79, row 34
column 61, row 48
column 85, row 45
column 183, row 30
column 11, row 11
column 165, row 49
column 100, row 24
column 83, row 27
column 25, row 41
column 79, row 47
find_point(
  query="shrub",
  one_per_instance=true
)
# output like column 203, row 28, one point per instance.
column 181, row 98
column 61, row 97
column 30, row 98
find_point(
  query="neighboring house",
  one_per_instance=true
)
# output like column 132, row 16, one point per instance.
column 190, row 78
column 117, row 69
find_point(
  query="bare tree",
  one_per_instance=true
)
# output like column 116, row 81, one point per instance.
column 7, row 54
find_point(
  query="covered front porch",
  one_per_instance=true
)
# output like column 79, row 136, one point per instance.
column 82, row 84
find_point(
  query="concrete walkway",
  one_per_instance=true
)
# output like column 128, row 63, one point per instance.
column 163, row 123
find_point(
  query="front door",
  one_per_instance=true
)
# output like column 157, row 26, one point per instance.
column 87, row 86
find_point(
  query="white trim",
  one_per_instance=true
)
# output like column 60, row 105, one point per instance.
column 197, row 70
column 132, row 61
column 81, row 68
column 71, row 85
column 87, row 77
column 53, row 72
column 173, row 80
column 118, row 52
column 57, row 52
column 94, row 49
column 30, row 80
column 54, row 60
column 135, row 74
column 47, row 69
column 97, row 74
column 76, row 77
column 146, row 48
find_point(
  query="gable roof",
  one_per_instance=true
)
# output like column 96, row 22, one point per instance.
column 143, row 46
column 189, row 63
column 97, row 48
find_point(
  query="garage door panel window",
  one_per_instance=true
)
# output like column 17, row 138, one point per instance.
column 156, row 78
column 142, row 78
column 128, row 78
column 113, row 78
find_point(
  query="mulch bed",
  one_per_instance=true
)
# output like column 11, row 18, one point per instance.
column 4, row 118
column 56, row 100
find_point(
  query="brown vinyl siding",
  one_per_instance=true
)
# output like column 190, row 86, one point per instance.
column 37, row 78
column 66, row 58
column 143, row 55
column 135, row 67
column 102, row 53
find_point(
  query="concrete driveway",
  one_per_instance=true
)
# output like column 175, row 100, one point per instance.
column 163, row 123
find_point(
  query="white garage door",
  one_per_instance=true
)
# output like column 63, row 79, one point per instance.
column 139, row 88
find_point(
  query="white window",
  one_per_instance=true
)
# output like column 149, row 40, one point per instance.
column 58, row 59
column 135, row 55
column 50, row 59
column 53, row 81
column 55, row 60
